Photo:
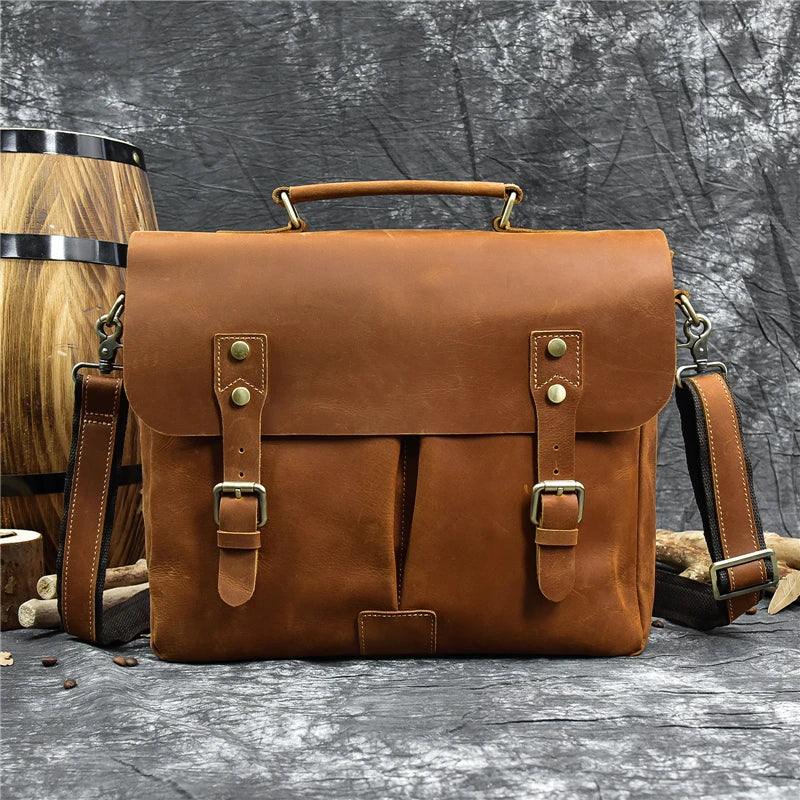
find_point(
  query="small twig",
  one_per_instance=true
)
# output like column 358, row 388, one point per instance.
column 129, row 575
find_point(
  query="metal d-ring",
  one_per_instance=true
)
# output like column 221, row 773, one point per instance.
column 294, row 219
column 505, row 216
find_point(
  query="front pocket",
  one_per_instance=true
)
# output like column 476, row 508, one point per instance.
column 471, row 556
column 327, row 549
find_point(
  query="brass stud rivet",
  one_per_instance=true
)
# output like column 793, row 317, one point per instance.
column 136, row 158
column 240, row 350
column 556, row 393
column 557, row 347
column 240, row 396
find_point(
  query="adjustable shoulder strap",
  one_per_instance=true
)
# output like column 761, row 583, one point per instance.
column 98, row 436
column 722, row 480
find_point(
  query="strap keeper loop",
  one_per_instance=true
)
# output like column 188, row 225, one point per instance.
column 236, row 540
column 556, row 538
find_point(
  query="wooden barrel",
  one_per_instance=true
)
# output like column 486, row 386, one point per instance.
column 68, row 204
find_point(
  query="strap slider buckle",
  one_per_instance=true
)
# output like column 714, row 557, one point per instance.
column 555, row 487
column 727, row 563
column 238, row 488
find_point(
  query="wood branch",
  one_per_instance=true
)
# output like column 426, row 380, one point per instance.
column 39, row 613
column 129, row 575
column 786, row 549
column 687, row 549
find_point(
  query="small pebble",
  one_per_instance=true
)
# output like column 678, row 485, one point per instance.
column 658, row 623
column 70, row 683
column 49, row 662
column 752, row 610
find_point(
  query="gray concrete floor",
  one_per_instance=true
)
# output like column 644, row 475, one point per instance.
column 696, row 715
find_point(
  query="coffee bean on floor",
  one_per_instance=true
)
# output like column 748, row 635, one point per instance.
column 49, row 662
column 658, row 623
column 753, row 610
column 130, row 661
column 120, row 661
column 70, row 683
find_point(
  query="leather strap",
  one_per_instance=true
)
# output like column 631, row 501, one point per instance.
column 338, row 191
column 99, row 423
column 239, row 538
column 555, row 516
column 722, row 480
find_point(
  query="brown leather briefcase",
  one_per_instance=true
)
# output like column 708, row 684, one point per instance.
column 413, row 442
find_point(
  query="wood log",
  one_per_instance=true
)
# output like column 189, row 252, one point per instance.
column 49, row 194
column 38, row 613
column 128, row 575
column 20, row 562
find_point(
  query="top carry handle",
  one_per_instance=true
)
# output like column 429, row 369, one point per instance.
column 289, row 196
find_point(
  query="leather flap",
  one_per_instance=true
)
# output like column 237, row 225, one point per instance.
column 398, row 332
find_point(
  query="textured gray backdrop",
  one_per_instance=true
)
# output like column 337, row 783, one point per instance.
column 683, row 116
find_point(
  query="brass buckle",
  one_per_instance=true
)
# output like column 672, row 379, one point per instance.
column 735, row 562
column 237, row 489
column 555, row 487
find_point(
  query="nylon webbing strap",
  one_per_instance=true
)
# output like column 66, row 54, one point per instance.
column 98, row 436
column 722, row 480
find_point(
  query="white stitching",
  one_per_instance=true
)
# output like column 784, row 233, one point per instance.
column 74, row 502
column 716, row 493
column 743, row 474
column 711, row 448
column 260, row 338
column 397, row 615
column 109, row 453
column 550, row 335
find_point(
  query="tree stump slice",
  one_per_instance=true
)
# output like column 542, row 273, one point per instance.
column 21, row 564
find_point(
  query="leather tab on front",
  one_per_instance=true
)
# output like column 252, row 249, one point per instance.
column 239, row 541
column 556, row 385
column 555, row 561
column 397, row 633
column 240, row 386
column 236, row 580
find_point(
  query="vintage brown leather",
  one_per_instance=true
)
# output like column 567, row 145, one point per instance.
column 98, row 433
column 378, row 339
column 417, row 442
column 736, row 516
column 334, row 191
